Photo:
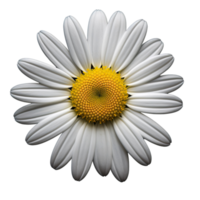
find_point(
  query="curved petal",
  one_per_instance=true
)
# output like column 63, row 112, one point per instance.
column 154, row 103
column 162, row 84
column 77, row 43
column 149, row 129
column 150, row 48
column 57, row 53
column 129, row 45
column 132, row 140
column 34, row 113
column 83, row 151
column 96, row 30
column 51, row 126
column 103, row 150
column 114, row 31
column 45, row 74
column 149, row 69
column 120, row 161
column 36, row 93
column 62, row 152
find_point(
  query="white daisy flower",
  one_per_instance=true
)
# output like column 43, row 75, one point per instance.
column 96, row 95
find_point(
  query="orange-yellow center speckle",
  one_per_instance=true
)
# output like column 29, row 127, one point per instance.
column 99, row 95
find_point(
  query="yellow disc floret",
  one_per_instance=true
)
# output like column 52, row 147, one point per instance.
column 99, row 95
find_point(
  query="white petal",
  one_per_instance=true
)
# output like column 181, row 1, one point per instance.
column 154, row 103
column 77, row 43
column 162, row 84
column 96, row 30
column 51, row 126
column 150, row 48
column 34, row 113
column 149, row 69
column 129, row 45
column 132, row 140
column 62, row 152
column 149, row 129
column 45, row 74
column 114, row 31
column 120, row 162
column 83, row 151
column 36, row 93
column 57, row 53
column 103, row 150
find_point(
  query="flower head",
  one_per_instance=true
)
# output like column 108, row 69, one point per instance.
column 97, row 94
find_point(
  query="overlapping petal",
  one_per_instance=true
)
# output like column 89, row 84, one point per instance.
column 63, row 149
column 57, row 53
column 51, row 126
column 162, row 84
column 148, row 128
column 154, row 103
column 77, row 43
column 129, row 45
column 96, row 30
column 83, row 151
column 114, row 31
column 103, row 150
column 150, row 48
column 120, row 161
column 34, row 113
column 149, row 69
column 132, row 140
column 45, row 74
column 36, row 93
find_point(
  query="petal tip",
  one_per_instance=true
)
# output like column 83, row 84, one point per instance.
column 51, row 165
column 142, row 20
column 40, row 33
column 25, row 141
column 23, row 60
column 167, row 142
column 70, row 17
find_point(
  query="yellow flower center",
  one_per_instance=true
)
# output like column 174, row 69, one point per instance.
column 99, row 95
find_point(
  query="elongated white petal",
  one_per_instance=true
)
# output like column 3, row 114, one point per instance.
column 149, row 69
column 83, row 151
column 62, row 152
column 77, row 43
column 36, row 93
column 149, row 129
column 114, row 31
column 34, row 113
column 103, row 150
column 45, row 74
column 120, row 162
column 57, row 53
column 96, row 30
column 162, row 84
column 150, row 48
column 132, row 140
column 51, row 126
column 129, row 45
column 154, row 103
